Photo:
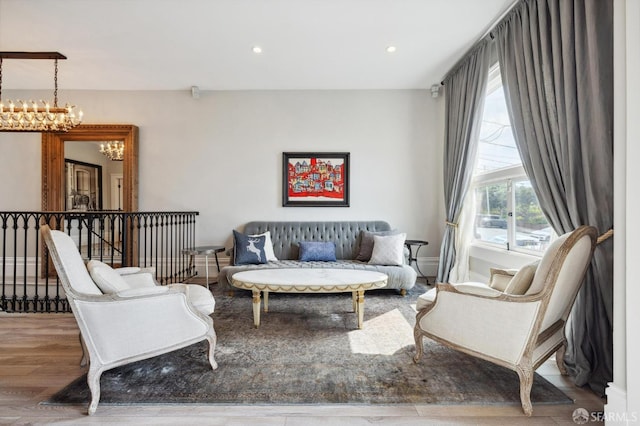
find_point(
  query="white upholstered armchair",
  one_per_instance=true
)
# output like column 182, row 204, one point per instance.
column 517, row 331
column 123, row 316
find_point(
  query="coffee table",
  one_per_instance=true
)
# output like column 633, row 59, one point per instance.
column 308, row 280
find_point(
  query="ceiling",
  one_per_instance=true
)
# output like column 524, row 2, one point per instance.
column 176, row 44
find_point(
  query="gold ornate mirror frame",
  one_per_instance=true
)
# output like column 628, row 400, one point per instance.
column 53, row 177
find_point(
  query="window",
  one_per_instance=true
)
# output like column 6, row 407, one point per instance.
column 507, row 211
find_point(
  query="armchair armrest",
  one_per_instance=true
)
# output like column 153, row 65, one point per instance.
column 142, row 291
column 141, row 279
column 128, row 270
column 478, row 289
column 122, row 327
column 497, row 326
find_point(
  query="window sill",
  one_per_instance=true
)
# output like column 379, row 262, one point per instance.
column 485, row 256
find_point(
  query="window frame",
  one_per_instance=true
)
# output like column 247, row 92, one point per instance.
column 510, row 176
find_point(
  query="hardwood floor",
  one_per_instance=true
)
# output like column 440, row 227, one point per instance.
column 40, row 353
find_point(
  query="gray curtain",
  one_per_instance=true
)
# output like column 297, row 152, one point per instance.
column 465, row 89
column 556, row 60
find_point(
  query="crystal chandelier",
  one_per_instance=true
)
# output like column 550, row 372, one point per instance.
column 114, row 150
column 29, row 116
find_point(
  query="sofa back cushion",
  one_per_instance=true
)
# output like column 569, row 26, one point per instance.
column 286, row 235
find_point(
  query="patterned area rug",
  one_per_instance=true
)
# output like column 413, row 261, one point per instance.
column 308, row 351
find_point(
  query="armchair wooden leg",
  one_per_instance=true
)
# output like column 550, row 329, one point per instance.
column 93, row 379
column 418, row 336
column 211, row 337
column 525, row 373
column 560, row 359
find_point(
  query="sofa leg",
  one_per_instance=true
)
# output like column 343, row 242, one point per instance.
column 403, row 292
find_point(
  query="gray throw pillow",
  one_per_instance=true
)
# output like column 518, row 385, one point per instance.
column 366, row 243
column 247, row 249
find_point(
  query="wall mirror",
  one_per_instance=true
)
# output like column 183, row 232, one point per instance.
column 66, row 185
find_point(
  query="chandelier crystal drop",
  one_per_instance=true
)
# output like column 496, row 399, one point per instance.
column 31, row 117
column 114, row 150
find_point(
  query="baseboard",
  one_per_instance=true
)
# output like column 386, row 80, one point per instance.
column 19, row 264
column 428, row 266
column 615, row 410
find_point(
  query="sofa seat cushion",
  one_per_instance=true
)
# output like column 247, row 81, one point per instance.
column 399, row 276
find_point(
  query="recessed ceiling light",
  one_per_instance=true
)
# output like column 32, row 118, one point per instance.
column 391, row 49
column 257, row 49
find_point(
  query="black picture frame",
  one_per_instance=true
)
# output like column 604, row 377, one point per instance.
column 315, row 179
column 88, row 195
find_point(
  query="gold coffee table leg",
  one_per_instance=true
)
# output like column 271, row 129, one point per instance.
column 360, row 309
column 256, row 308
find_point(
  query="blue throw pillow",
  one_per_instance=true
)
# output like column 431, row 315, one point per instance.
column 324, row 251
column 248, row 250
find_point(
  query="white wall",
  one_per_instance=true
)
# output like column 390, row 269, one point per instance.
column 222, row 154
column 20, row 172
column 623, row 394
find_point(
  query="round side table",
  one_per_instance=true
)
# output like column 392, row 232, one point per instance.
column 205, row 251
column 413, row 258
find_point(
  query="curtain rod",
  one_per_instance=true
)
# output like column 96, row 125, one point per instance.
column 487, row 32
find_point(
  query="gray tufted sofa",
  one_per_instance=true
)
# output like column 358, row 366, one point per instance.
column 346, row 235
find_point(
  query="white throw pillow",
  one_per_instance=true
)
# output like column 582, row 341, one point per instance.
column 268, row 246
column 522, row 280
column 500, row 278
column 388, row 250
column 106, row 278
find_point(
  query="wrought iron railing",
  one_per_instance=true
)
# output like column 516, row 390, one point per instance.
column 28, row 282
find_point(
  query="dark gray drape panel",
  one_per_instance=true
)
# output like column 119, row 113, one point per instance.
column 464, row 101
column 556, row 60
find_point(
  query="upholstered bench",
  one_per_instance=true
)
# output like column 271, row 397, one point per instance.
column 354, row 249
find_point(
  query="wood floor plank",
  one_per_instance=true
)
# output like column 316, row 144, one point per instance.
column 40, row 354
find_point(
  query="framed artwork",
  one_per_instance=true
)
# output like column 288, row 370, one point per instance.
column 315, row 179
column 83, row 182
